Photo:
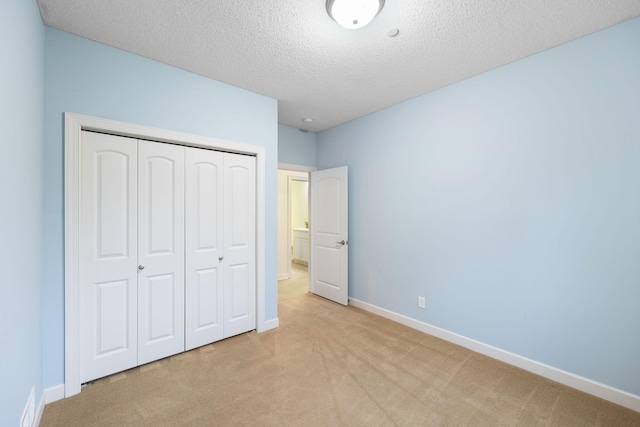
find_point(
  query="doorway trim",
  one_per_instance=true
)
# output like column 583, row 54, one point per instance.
column 296, row 168
column 73, row 125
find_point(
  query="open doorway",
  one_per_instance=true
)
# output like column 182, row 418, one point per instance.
column 293, row 233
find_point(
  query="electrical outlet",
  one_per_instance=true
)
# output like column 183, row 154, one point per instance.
column 420, row 302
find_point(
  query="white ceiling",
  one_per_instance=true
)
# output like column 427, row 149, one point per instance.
column 292, row 51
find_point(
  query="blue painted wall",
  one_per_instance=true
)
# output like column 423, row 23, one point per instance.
column 93, row 79
column 296, row 147
column 22, row 82
column 511, row 201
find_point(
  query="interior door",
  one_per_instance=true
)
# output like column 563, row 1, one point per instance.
column 239, row 244
column 204, row 251
column 108, row 255
column 160, row 250
column 328, row 269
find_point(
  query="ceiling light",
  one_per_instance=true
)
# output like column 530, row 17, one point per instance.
column 352, row 14
column 307, row 120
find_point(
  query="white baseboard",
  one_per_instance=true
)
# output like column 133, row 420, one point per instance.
column 54, row 393
column 49, row 395
column 586, row 385
column 271, row 324
column 27, row 419
column 284, row 276
column 39, row 410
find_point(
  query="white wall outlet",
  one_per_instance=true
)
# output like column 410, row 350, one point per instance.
column 421, row 302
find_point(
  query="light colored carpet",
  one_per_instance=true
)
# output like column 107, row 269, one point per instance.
column 329, row 365
column 297, row 285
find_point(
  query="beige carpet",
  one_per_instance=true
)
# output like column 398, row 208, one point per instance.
column 329, row 365
column 297, row 285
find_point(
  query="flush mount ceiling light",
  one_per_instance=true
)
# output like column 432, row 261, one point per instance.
column 352, row 14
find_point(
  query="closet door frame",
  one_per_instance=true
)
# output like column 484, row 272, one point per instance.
column 74, row 124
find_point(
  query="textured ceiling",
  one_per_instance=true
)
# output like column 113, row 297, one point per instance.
column 292, row 51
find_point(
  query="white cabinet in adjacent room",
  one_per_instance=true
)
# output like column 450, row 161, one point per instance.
column 300, row 238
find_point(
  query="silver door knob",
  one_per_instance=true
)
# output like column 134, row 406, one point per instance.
column 341, row 243
column 141, row 267
column 220, row 258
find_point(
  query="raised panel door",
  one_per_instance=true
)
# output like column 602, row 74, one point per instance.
column 160, row 250
column 204, row 251
column 107, row 293
column 239, row 244
column 329, row 234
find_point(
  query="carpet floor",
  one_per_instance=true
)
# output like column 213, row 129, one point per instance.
column 295, row 286
column 329, row 365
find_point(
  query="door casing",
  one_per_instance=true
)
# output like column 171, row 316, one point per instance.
column 74, row 124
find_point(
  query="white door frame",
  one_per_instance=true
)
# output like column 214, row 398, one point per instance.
column 74, row 124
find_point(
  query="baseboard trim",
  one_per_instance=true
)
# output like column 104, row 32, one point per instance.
column 49, row 395
column 586, row 385
column 283, row 276
column 27, row 419
column 39, row 410
column 54, row 393
column 271, row 324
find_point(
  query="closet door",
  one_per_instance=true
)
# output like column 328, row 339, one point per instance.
column 108, row 255
column 239, row 244
column 160, row 250
column 204, row 252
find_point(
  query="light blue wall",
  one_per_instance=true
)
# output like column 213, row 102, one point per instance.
column 21, row 101
column 511, row 201
column 296, row 147
column 93, row 79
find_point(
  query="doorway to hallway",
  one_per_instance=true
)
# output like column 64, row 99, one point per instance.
column 293, row 233
column 313, row 229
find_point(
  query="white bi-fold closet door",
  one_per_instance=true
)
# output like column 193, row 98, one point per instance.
column 167, row 250
column 220, row 246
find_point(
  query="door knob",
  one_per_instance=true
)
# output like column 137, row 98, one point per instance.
column 342, row 242
column 141, row 267
column 220, row 258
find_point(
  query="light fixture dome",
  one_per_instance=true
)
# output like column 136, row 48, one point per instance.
column 352, row 14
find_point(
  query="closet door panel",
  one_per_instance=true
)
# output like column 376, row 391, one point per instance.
column 160, row 250
column 108, row 252
column 239, row 244
column 204, row 251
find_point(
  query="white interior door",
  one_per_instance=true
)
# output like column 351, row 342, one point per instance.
column 239, row 244
column 328, row 269
column 108, row 255
column 204, row 251
column 160, row 250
